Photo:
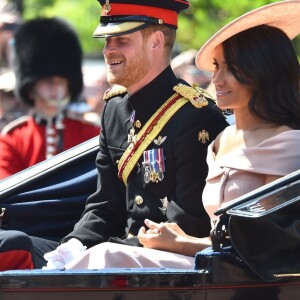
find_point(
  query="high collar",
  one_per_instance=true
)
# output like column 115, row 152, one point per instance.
column 42, row 120
column 155, row 93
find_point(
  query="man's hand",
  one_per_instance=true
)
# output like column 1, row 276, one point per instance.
column 63, row 254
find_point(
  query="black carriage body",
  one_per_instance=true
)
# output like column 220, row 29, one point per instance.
column 136, row 284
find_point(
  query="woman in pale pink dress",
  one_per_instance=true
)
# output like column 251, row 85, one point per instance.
column 256, row 74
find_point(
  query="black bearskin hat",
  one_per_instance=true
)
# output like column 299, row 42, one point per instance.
column 47, row 47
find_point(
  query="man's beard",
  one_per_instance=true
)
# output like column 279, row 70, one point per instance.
column 134, row 70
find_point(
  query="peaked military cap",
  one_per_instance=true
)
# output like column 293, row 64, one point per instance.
column 120, row 17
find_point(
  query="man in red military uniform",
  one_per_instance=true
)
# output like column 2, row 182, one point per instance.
column 48, row 77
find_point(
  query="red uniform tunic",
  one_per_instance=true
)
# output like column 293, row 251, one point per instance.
column 24, row 144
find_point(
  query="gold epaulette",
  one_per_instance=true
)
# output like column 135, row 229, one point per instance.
column 14, row 124
column 196, row 95
column 114, row 91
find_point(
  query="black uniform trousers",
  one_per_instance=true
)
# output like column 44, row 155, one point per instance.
column 21, row 251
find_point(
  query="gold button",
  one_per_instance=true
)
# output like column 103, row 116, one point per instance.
column 138, row 200
column 138, row 124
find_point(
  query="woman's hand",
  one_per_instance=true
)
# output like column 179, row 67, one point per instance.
column 170, row 237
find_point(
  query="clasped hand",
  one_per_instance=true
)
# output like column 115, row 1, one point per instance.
column 162, row 236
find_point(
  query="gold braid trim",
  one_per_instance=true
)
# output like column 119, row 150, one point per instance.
column 149, row 137
column 114, row 91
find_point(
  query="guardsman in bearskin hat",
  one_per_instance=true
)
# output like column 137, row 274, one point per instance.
column 47, row 61
column 155, row 130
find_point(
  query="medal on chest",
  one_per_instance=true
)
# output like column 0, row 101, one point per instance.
column 131, row 137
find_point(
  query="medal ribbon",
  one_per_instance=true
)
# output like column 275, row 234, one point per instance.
column 153, row 160
column 148, row 133
column 160, row 160
column 146, row 158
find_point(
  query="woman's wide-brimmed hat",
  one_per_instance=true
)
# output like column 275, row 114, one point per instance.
column 284, row 15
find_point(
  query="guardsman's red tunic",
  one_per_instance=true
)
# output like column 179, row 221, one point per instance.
column 23, row 143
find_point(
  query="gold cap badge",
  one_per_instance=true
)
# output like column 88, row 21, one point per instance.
column 106, row 7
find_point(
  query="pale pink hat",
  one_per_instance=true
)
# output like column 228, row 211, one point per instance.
column 284, row 15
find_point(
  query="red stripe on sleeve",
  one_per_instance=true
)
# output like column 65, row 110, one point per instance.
column 15, row 260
